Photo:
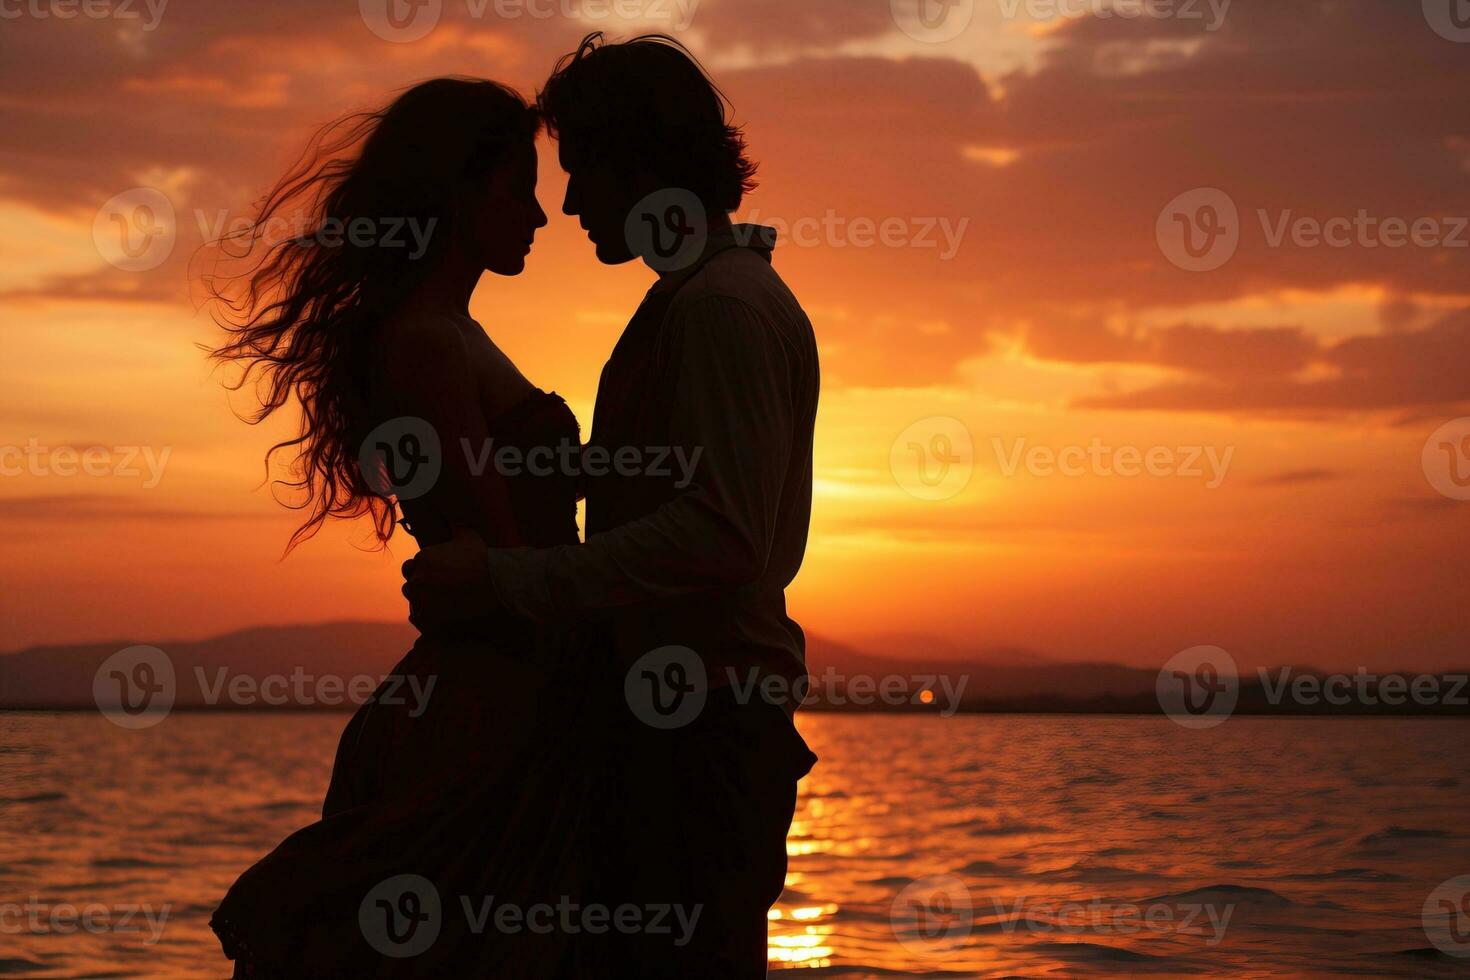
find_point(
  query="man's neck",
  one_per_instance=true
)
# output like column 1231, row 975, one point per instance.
column 714, row 224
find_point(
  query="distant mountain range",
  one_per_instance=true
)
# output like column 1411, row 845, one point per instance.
column 337, row 664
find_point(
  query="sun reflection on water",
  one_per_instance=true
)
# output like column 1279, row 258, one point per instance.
column 1002, row 828
column 793, row 944
column 971, row 846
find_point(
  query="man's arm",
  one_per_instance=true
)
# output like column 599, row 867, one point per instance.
column 733, row 405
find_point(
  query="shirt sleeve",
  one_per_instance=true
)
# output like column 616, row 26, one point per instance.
column 733, row 406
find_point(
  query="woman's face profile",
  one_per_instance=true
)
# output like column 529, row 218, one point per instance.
column 501, row 213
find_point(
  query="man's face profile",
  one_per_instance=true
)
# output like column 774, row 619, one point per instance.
column 600, row 196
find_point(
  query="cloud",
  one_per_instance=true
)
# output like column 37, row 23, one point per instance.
column 1189, row 347
column 1051, row 176
column 109, row 509
column 1114, row 121
column 1293, row 478
column 780, row 25
column 1386, row 371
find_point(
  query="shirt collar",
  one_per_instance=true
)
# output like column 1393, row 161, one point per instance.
column 760, row 239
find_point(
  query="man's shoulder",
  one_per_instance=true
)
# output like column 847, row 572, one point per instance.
column 744, row 277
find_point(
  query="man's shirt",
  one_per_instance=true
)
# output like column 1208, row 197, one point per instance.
column 719, row 361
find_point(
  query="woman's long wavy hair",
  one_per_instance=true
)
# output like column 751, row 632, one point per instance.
column 302, row 318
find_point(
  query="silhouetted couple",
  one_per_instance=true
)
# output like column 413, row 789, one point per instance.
column 584, row 793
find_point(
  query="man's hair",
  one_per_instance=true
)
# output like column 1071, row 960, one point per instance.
column 648, row 101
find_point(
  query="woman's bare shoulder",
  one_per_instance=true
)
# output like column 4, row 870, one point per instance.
column 409, row 332
column 430, row 340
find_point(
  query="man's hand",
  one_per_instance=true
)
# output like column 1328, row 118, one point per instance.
column 449, row 583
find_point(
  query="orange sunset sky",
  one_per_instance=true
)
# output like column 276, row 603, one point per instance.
column 1027, row 287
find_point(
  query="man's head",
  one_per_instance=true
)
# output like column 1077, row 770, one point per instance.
column 633, row 118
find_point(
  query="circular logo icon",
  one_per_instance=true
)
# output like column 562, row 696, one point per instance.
column 135, row 231
column 932, row 915
column 1446, row 459
column 933, row 458
column 932, row 21
column 1198, row 687
column 667, row 229
column 135, row 687
column 1449, row 18
column 1447, row 917
column 1199, row 231
column 666, row 688
column 401, row 916
column 402, row 458
column 401, row 21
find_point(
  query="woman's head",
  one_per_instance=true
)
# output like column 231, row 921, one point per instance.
column 453, row 158
column 459, row 154
column 381, row 202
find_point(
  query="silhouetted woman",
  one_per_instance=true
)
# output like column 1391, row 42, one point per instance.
column 361, row 320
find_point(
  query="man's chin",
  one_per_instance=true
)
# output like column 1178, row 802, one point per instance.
column 509, row 267
column 613, row 254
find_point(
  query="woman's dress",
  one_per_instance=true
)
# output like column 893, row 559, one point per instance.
column 443, row 815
